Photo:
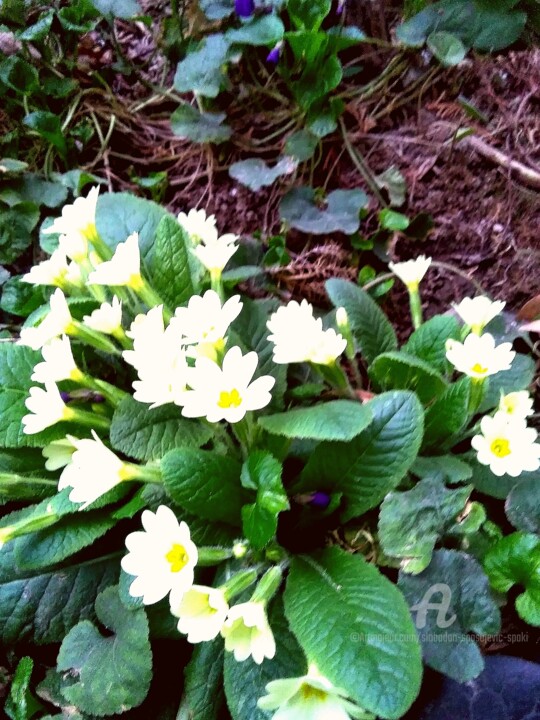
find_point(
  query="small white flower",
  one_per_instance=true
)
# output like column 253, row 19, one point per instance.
column 78, row 218
column 124, row 268
column 205, row 321
column 93, row 471
column 74, row 275
column 478, row 357
column 49, row 272
column 411, row 272
column 163, row 557
column 202, row 611
column 58, row 363
column 311, row 697
column 107, row 318
column 246, row 632
column 75, row 246
column 226, row 393
column 46, row 408
column 478, row 312
column 57, row 322
column 58, row 453
column 509, row 448
column 146, row 331
column 215, row 254
column 198, row 226
column 299, row 337
column 516, row 405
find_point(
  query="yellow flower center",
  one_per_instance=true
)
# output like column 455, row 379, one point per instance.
column 177, row 558
column 309, row 692
column 229, row 399
column 500, row 447
column 479, row 369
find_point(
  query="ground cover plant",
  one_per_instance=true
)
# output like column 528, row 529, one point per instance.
column 179, row 449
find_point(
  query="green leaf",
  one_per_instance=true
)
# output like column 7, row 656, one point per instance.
column 35, row 189
column 341, row 212
column 393, row 182
column 498, row 487
column 262, row 472
column 246, row 682
column 201, row 71
column 10, row 165
column 392, row 220
column 317, row 81
column 411, row 522
column 264, row 30
column 200, row 127
column 399, row 371
column 203, row 690
column 515, row 560
column 40, row 29
column 256, row 174
column 447, row 466
column 334, row 420
column 147, row 434
column 124, row 9
column 301, row 145
column 170, row 270
column 16, row 225
column 20, row 705
column 113, row 673
column 204, row 483
column 448, row 415
column 217, row 9
column 43, row 608
column 519, row 377
column 48, row 125
column 523, row 505
column 120, row 214
column 369, row 325
column 308, row 15
column 363, row 613
column 19, row 75
column 447, row 48
column 428, row 342
column 455, row 584
column 373, row 463
column 20, row 298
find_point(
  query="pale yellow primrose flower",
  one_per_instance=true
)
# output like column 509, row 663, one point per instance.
column 58, row 363
column 46, row 408
column 78, row 220
column 57, row 322
column 478, row 357
column 107, row 318
column 411, row 272
column 509, row 448
column 75, row 246
column 516, row 405
column 247, row 633
column 146, row 331
column 311, row 697
column 92, row 471
column 215, row 254
column 162, row 557
column 478, row 312
column 124, row 268
column 205, row 321
column 198, row 226
column 226, row 393
column 299, row 337
column 58, row 453
column 49, row 272
column 202, row 611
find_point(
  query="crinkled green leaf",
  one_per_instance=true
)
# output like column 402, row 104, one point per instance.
column 452, row 468
column 170, row 268
column 428, row 342
column 400, row 371
column 498, row 487
column 334, row 420
column 363, row 613
column 448, row 415
column 370, row 327
column 411, row 522
column 203, row 690
column 113, row 672
column 262, row 472
column 340, row 213
column 523, row 505
column 455, row 584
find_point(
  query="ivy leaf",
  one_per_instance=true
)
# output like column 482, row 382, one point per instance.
column 256, row 174
column 201, row 71
column 411, row 522
column 370, row 327
column 200, row 127
column 204, row 483
column 448, row 415
column 429, row 340
column 170, row 269
column 363, row 613
column 373, row 463
column 455, row 584
column 515, row 560
column 246, row 682
column 113, row 673
column 147, row 434
column 523, row 505
column 262, row 472
column 341, row 212
column 334, row 420
column 399, row 371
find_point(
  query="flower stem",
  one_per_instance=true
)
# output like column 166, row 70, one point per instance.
column 113, row 394
column 216, row 283
column 477, row 394
column 416, row 307
column 94, row 338
column 150, row 297
column 268, row 585
column 92, row 420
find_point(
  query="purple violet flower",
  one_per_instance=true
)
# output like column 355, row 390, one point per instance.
column 244, row 8
column 274, row 54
